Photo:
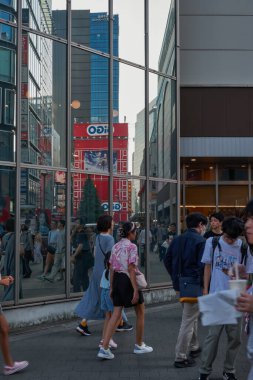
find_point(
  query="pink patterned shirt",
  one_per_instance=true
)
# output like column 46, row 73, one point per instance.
column 123, row 254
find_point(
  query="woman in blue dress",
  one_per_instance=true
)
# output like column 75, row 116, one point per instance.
column 89, row 306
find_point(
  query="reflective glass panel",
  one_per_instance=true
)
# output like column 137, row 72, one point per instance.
column 43, row 101
column 90, row 24
column 131, row 118
column 47, row 16
column 129, row 30
column 7, row 124
column 7, row 33
column 162, row 36
column 7, row 229
column 163, row 217
column 232, row 199
column 42, row 210
column 89, row 111
column 162, row 125
column 89, row 200
column 12, row 4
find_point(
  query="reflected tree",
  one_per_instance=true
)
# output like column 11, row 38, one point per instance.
column 90, row 206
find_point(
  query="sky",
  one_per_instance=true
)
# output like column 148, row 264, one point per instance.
column 131, row 47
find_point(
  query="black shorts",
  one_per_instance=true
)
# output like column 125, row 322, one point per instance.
column 123, row 291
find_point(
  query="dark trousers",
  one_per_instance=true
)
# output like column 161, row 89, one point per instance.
column 80, row 274
column 26, row 266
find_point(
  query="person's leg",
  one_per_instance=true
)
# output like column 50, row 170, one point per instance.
column 210, row 348
column 250, row 376
column 4, row 341
column 189, row 316
column 49, row 263
column 108, row 315
column 140, row 313
column 124, row 317
column 234, row 343
column 76, row 279
column 194, row 343
column 56, row 266
column 112, row 324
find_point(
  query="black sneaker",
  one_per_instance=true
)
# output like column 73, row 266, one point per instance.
column 185, row 363
column 124, row 327
column 229, row 376
column 203, row 376
column 195, row 353
column 83, row 330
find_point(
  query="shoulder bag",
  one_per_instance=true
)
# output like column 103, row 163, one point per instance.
column 190, row 287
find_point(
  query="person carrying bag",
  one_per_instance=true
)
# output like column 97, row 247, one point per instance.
column 183, row 262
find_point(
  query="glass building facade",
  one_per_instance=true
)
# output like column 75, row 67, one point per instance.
column 88, row 125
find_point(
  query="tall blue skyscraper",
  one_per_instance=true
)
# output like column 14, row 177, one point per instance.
column 99, row 39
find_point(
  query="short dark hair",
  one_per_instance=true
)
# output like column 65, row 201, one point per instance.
column 193, row 220
column 233, row 227
column 217, row 215
column 10, row 225
column 62, row 222
column 248, row 211
column 104, row 223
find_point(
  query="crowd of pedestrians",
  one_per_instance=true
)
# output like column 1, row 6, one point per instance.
column 206, row 257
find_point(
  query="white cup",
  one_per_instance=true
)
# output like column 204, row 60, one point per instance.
column 239, row 285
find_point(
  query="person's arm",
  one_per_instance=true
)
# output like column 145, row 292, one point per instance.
column 245, row 303
column 111, row 280
column 206, row 258
column 6, row 280
column 132, row 275
column 77, row 251
column 207, row 278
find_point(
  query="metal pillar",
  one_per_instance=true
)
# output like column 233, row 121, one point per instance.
column 178, row 111
column 147, row 164
column 69, row 150
column 110, row 114
column 18, row 151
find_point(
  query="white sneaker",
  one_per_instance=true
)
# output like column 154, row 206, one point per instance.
column 105, row 354
column 17, row 367
column 143, row 349
column 112, row 344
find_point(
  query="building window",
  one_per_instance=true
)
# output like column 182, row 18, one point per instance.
column 10, row 97
column 7, row 65
column 9, row 3
column 1, row 104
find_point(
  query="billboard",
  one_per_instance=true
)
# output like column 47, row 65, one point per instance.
column 97, row 161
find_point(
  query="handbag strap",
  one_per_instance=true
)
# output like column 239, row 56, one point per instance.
column 100, row 246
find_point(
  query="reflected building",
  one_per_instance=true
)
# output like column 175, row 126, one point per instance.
column 99, row 39
column 43, row 173
column 8, row 56
column 37, row 127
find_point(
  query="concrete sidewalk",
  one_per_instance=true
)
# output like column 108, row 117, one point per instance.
column 59, row 353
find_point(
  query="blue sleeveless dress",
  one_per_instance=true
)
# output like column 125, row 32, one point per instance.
column 89, row 306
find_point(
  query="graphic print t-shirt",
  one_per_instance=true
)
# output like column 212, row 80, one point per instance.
column 223, row 260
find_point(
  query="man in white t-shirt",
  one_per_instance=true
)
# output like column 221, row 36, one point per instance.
column 227, row 252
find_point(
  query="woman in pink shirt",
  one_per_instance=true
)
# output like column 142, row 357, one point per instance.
column 124, row 290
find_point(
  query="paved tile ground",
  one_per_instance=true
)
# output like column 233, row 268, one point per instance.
column 59, row 353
